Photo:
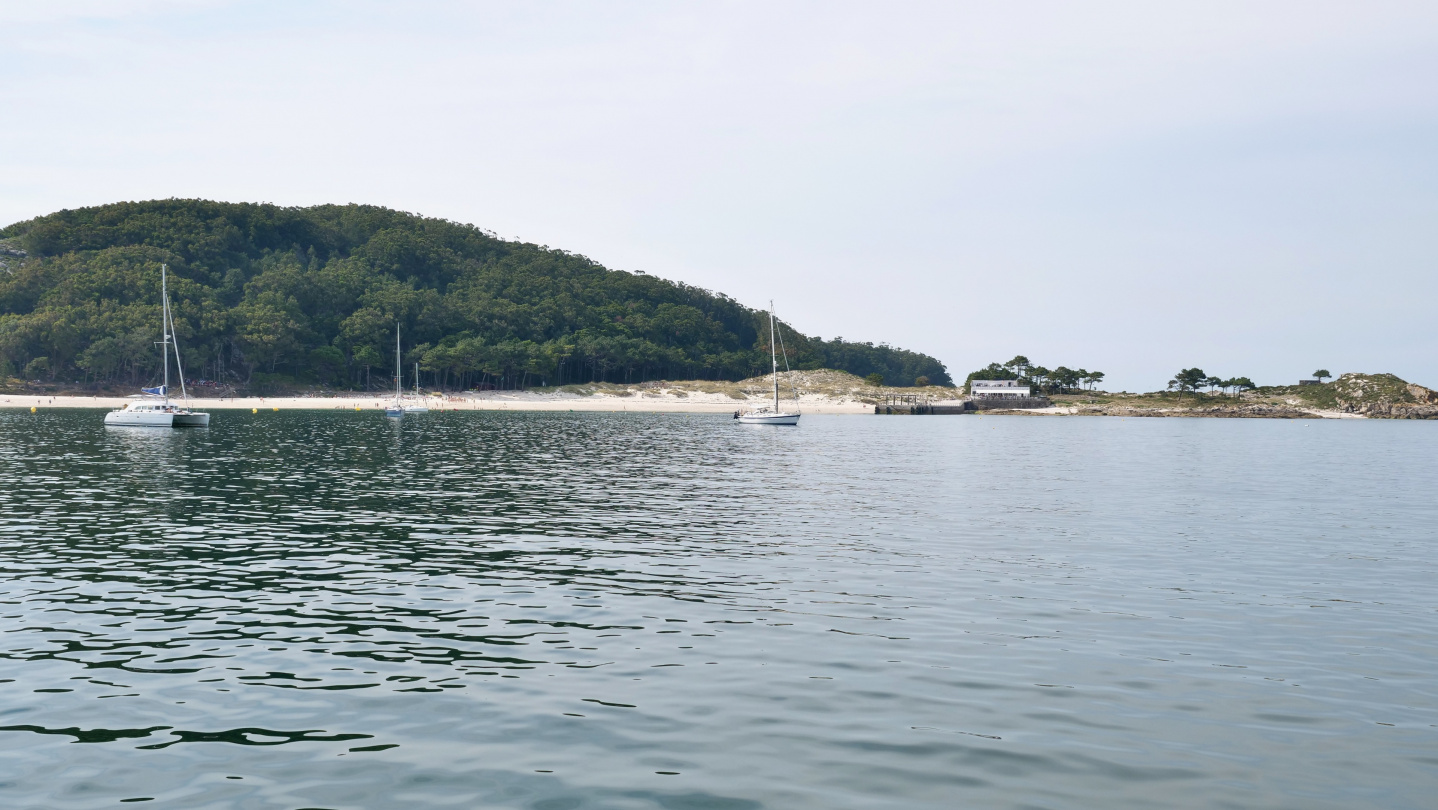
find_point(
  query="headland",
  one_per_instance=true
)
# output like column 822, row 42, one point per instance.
column 1351, row 396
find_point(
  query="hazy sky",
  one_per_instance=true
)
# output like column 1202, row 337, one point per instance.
column 1247, row 187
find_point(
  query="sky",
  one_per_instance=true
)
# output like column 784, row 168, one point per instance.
column 1136, row 188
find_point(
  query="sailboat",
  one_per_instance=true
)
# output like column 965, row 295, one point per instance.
column 150, row 413
column 395, row 410
column 417, row 404
column 765, row 416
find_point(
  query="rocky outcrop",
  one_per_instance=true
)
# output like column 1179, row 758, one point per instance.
column 1384, row 396
column 1254, row 411
column 8, row 254
column 1392, row 410
column 1373, row 396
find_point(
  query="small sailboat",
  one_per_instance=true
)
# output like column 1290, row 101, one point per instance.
column 395, row 410
column 162, row 413
column 765, row 416
column 416, row 405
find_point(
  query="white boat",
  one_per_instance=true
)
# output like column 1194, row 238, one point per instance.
column 776, row 415
column 395, row 410
column 764, row 416
column 159, row 411
column 416, row 405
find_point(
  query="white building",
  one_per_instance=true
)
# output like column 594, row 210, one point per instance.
column 997, row 388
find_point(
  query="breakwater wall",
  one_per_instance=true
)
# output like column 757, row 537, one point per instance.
column 916, row 406
column 1008, row 403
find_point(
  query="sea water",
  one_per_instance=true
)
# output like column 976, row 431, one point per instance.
column 557, row 610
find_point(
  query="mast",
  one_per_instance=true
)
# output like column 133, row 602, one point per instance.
column 179, row 364
column 774, row 356
column 416, row 379
column 793, row 388
column 397, row 367
column 165, row 329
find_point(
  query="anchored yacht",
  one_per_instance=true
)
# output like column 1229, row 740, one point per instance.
column 156, row 410
column 396, row 409
column 417, row 404
column 776, row 416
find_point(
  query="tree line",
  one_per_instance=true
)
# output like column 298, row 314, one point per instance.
column 1192, row 379
column 272, row 297
column 1060, row 380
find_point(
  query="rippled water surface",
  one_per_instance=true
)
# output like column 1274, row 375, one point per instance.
column 554, row 611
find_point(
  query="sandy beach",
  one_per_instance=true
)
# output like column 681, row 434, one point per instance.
column 645, row 402
column 637, row 402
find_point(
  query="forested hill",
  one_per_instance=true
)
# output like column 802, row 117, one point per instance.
column 274, row 297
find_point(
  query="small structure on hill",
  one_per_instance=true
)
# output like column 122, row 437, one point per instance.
column 1005, row 389
column 1310, row 382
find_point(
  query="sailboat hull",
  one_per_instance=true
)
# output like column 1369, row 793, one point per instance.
column 128, row 418
column 145, row 417
column 768, row 418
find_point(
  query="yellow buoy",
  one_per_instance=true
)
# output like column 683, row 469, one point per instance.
column 254, row 410
column 277, row 410
column 32, row 409
column 356, row 407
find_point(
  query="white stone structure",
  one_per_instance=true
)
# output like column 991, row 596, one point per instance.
column 997, row 388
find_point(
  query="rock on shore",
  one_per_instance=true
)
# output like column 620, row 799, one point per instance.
column 1256, row 411
column 1384, row 396
column 1352, row 396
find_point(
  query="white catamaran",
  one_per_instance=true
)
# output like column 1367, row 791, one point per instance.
column 765, row 416
column 161, row 412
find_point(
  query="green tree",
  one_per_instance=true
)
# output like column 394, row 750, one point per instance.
column 921, row 381
column 1066, row 378
column 367, row 357
column 269, row 328
column 1321, row 374
column 1039, row 376
column 260, row 288
column 874, row 379
column 327, row 362
column 37, row 368
column 1188, row 379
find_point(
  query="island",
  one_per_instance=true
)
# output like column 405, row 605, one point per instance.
column 274, row 301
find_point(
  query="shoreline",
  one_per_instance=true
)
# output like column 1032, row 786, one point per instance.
column 1215, row 412
column 709, row 402
column 490, row 401
column 1352, row 396
column 636, row 403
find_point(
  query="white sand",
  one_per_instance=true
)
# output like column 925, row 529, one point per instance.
column 646, row 402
